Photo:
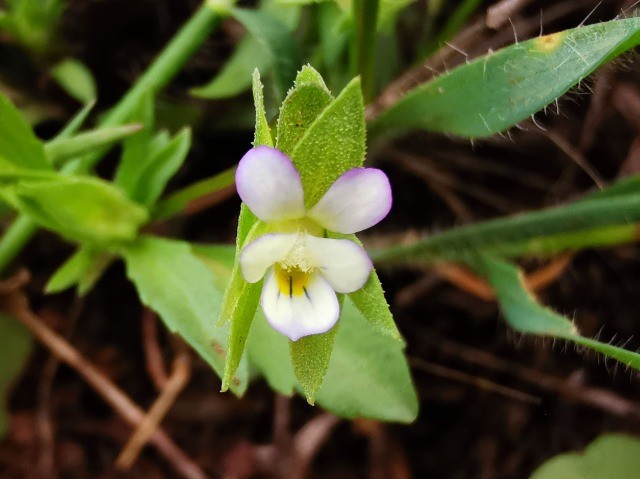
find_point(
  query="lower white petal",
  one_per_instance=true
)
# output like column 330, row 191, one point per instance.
column 261, row 253
column 296, row 309
column 343, row 263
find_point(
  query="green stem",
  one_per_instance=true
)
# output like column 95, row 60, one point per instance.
column 365, row 17
column 159, row 74
column 165, row 67
column 15, row 238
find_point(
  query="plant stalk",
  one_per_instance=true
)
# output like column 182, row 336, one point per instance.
column 365, row 17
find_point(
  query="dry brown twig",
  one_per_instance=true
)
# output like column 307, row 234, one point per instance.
column 175, row 384
column 152, row 351
column 15, row 302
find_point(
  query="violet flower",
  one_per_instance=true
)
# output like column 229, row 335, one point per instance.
column 304, row 270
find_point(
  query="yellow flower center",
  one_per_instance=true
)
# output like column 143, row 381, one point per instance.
column 291, row 282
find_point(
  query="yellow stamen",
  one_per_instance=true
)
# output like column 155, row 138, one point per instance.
column 291, row 282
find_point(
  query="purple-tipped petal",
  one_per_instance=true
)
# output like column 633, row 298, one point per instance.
column 314, row 311
column 270, row 185
column 359, row 199
column 344, row 264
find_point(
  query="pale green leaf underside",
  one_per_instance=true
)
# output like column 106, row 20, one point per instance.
column 498, row 91
column 612, row 456
column 526, row 315
column 175, row 283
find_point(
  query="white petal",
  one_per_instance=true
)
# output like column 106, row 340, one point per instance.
column 270, row 185
column 261, row 253
column 343, row 263
column 314, row 311
column 359, row 199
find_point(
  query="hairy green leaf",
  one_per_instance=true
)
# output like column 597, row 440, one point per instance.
column 598, row 220
column 371, row 302
column 526, row 315
column 239, row 306
column 333, row 144
column 503, row 88
column 180, row 287
column 262, row 135
column 303, row 105
column 310, row 358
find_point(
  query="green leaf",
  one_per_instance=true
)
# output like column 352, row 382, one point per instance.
column 72, row 127
column 180, row 287
column 269, row 353
column 239, row 306
column 262, row 135
column 611, row 456
column 35, row 23
column 278, row 45
column 16, row 346
column 61, row 150
column 160, row 167
column 333, row 144
column 235, row 76
column 83, row 269
column 368, row 374
column 370, row 300
column 298, row 111
column 599, row 220
column 76, row 79
column 136, row 148
column 503, row 88
column 526, row 315
column 310, row 358
column 250, row 55
column 80, row 208
column 19, row 147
